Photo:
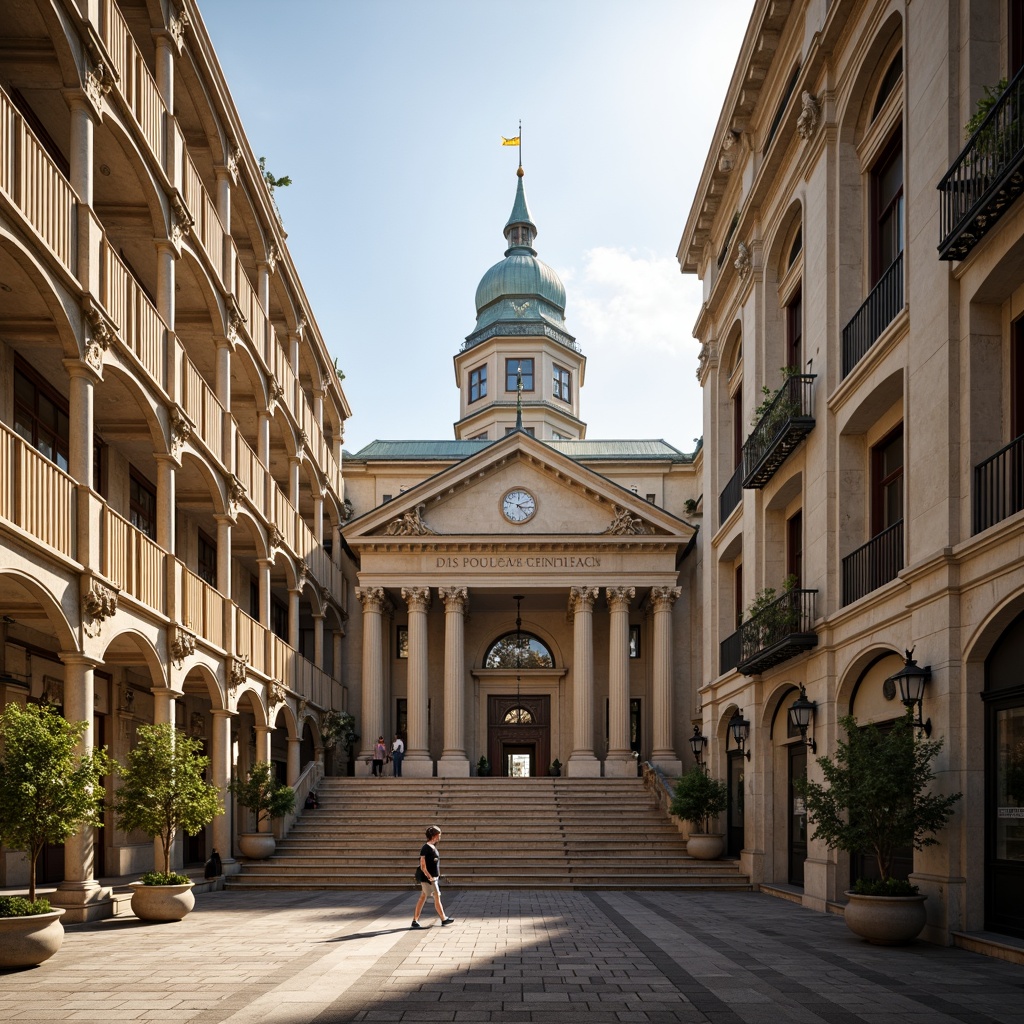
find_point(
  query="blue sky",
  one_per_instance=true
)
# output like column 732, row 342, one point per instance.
column 387, row 115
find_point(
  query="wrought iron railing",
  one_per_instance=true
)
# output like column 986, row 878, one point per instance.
column 876, row 312
column 778, row 632
column 729, row 652
column 999, row 486
column 873, row 564
column 784, row 424
column 986, row 177
column 731, row 494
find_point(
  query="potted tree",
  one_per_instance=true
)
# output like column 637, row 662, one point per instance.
column 875, row 800
column 267, row 798
column 556, row 768
column 163, row 792
column 483, row 767
column 338, row 730
column 699, row 798
column 47, row 792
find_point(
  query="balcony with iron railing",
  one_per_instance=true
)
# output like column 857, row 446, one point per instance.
column 731, row 494
column 780, row 631
column 876, row 312
column 987, row 176
column 786, row 421
column 999, row 486
column 873, row 564
column 730, row 650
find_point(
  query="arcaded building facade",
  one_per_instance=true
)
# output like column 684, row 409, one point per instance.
column 170, row 420
column 861, row 358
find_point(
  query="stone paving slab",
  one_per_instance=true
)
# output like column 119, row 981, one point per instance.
column 518, row 957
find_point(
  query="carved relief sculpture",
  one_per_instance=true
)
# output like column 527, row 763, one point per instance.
column 234, row 156
column 742, row 262
column 274, row 388
column 810, row 115
column 181, row 428
column 236, row 320
column 409, row 525
column 417, row 598
column 98, row 603
column 237, row 669
column 626, row 523
column 276, row 537
column 664, row 597
column 183, row 645
column 236, row 489
column 102, row 335
column 620, row 595
column 454, row 598
column 278, row 692
column 183, row 221
column 581, row 599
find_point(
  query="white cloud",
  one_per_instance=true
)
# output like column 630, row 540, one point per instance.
column 633, row 316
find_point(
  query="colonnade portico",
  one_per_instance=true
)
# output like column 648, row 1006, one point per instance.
column 456, row 749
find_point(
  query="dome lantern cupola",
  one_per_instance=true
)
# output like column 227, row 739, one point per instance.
column 520, row 231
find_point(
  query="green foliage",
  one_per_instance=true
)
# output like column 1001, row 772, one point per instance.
column 770, row 617
column 698, row 798
column 984, row 106
column 273, row 182
column 884, row 887
column 47, row 791
column 338, row 370
column 784, row 410
column 18, row 906
column 338, row 728
column 262, row 793
column 483, row 766
column 875, row 795
column 163, row 787
column 165, row 878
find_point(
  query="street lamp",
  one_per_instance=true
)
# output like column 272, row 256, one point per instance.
column 740, row 728
column 911, row 680
column 801, row 715
column 697, row 744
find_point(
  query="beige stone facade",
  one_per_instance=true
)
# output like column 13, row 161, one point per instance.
column 170, row 420
column 841, row 233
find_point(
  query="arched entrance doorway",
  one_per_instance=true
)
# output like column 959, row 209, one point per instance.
column 519, row 734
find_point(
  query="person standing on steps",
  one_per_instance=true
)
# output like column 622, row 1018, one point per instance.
column 397, row 753
column 428, row 874
column 379, row 753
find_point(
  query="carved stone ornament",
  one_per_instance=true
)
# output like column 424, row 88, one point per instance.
column 237, row 669
column 303, row 569
column 278, row 692
column 99, row 80
column 726, row 160
column 303, row 440
column 409, row 525
column 347, row 509
column 455, row 598
column 276, row 536
column 274, row 388
column 582, row 599
column 810, row 115
column 620, row 596
column 273, row 255
column 234, row 158
column 98, row 604
column 236, row 320
column 662, row 598
column 703, row 358
column 301, row 325
column 372, row 599
column 101, row 328
column 303, row 704
column 236, row 489
column 183, row 645
column 181, row 428
column 182, row 222
column 417, row 598
column 742, row 262
column 625, row 522
column 177, row 27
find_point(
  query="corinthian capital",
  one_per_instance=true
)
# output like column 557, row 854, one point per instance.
column 455, row 598
column 582, row 599
column 373, row 598
column 619, row 597
column 662, row 598
column 417, row 598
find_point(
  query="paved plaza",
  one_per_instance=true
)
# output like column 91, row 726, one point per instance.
column 292, row 958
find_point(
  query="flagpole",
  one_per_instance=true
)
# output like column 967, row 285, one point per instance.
column 520, row 142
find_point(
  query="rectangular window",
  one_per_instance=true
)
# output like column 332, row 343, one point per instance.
column 478, row 383
column 512, row 367
column 634, row 641
column 795, row 547
column 651, row 498
column 738, row 594
column 737, row 428
column 887, row 208
column 563, row 384
column 207, row 559
column 794, row 332
column 402, row 642
column 254, row 598
column 279, row 619
column 479, row 437
column 41, row 418
column 526, row 430
column 142, row 504
column 887, row 481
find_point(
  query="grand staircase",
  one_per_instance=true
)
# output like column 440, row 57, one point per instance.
column 540, row 833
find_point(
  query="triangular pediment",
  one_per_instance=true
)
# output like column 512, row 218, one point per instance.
column 518, row 489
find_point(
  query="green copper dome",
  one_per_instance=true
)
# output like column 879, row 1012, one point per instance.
column 521, row 288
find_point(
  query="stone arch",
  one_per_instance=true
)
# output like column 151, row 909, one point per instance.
column 249, row 696
column 779, row 245
column 529, row 627
column 202, row 673
column 193, row 459
column 775, row 707
column 988, row 632
column 154, row 660
column 59, row 612
column 856, row 685
column 290, row 720
column 154, row 414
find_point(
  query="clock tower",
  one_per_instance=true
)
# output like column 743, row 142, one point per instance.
column 520, row 335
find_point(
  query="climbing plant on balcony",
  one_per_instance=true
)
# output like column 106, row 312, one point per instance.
column 775, row 408
column 769, row 616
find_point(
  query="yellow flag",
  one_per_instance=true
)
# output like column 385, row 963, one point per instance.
column 510, row 142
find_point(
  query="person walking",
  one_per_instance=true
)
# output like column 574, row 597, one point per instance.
column 397, row 753
column 429, row 876
column 379, row 753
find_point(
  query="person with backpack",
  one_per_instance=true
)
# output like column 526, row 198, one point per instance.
column 428, row 874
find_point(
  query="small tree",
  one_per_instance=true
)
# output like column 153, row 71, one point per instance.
column 164, row 789
column 699, row 798
column 47, row 791
column 262, row 793
column 875, row 795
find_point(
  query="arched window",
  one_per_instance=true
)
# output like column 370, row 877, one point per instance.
column 889, row 80
column 519, row 650
column 518, row 716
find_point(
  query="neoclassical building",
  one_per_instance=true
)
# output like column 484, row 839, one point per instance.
column 853, row 229
column 527, row 594
column 170, row 420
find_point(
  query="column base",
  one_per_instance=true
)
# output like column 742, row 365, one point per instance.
column 417, row 768
column 230, row 866
column 670, row 765
column 583, row 766
column 453, row 767
column 620, row 767
column 84, row 901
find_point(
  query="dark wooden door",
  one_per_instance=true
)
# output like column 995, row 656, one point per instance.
column 797, row 815
column 734, row 834
column 519, row 722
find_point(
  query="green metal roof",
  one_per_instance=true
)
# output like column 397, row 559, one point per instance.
column 583, row 451
column 399, row 451
column 579, row 451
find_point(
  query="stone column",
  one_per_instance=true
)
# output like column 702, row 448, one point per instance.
column 619, row 761
column 293, row 618
column 79, row 892
column 418, row 762
column 263, row 754
column 662, row 599
column 220, row 768
column 318, row 639
column 80, row 421
column 318, row 518
column 374, row 601
column 582, row 761
column 294, row 760
column 224, row 524
column 163, row 714
column 264, row 584
column 166, row 503
column 454, row 761
column 337, row 635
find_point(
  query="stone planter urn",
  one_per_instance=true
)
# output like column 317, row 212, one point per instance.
column 705, row 845
column 257, row 845
column 161, row 902
column 27, row 941
column 885, row 920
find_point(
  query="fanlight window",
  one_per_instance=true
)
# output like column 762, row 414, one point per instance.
column 519, row 650
column 518, row 716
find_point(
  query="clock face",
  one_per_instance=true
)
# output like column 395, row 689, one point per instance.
column 518, row 506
